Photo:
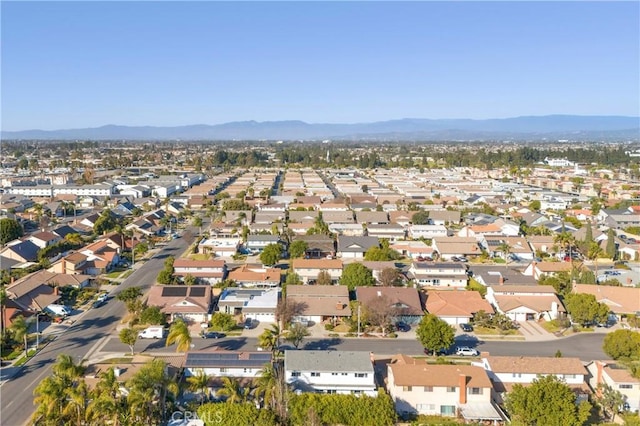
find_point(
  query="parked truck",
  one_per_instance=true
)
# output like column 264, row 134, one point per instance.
column 59, row 310
column 152, row 333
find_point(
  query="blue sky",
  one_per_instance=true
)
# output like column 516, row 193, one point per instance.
column 86, row 64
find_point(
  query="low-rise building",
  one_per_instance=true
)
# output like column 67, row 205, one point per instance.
column 439, row 274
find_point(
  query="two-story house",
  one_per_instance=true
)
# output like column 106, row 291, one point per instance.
column 44, row 239
column 448, row 247
column 220, row 363
column 210, row 271
column 308, row 269
column 339, row 372
column 506, row 371
column 439, row 274
column 618, row 378
column 255, row 276
column 426, row 231
column 189, row 302
column 447, row 390
column 258, row 304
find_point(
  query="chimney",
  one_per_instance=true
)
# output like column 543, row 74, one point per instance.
column 56, row 291
column 600, row 368
column 629, row 281
column 501, row 280
column 339, row 306
column 117, row 371
column 462, row 385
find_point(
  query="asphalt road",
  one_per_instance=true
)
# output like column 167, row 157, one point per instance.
column 78, row 340
column 587, row 346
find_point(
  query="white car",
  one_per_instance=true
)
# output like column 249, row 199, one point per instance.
column 464, row 351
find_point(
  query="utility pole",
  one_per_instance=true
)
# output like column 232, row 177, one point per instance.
column 133, row 251
column 358, row 321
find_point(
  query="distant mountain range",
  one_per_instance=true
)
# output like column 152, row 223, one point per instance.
column 572, row 127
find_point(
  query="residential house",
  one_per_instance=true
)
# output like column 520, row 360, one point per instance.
column 538, row 269
column 542, row 244
column 269, row 217
column 101, row 257
column 457, row 307
column 444, row 217
column 404, row 302
column 303, row 216
column 209, row 271
column 426, row 231
column 33, row 293
column 331, row 216
column 259, row 242
column 257, row 304
column 619, row 378
column 318, row 246
column 355, row 247
column 372, row 217
column 506, row 371
column 479, row 231
column 192, row 303
column 221, row 363
column 456, row 246
column 347, row 229
column 526, row 303
column 255, row 276
column 336, row 372
column 413, row 249
column 620, row 300
column 439, row 274
column 390, row 231
column 377, row 267
column 518, row 246
column 308, row 269
column 401, row 217
column 219, row 246
column 445, row 390
column 489, row 275
column 21, row 251
column 74, row 263
column 618, row 218
column 319, row 303
column 44, row 239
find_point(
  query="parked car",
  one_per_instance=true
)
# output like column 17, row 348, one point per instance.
column 212, row 335
column 102, row 297
column 44, row 317
column 155, row 332
column 248, row 323
column 99, row 303
column 441, row 352
column 403, row 326
column 465, row 351
column 467, row 328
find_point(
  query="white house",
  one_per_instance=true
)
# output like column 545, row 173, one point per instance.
column 426, row 231
column 209, row 271
column 506, row 371
column 526, row 302
column 340, row 372
column 619, row 378
column 219, row 363
column 439, row 274
column 446, row 390
column 308, row 269
column 257, row 304
column 222, row 247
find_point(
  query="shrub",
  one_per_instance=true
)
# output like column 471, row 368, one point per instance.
column 329, row 327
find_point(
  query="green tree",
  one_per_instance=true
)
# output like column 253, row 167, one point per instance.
column 296, row 333
column 584, row 308
column 199, row 382
column 547, row 401
column 270, row 338
column 179, row 334
column 271, row 254
column 10, row 230
column 221, row 321
column 390, row 277
column 535, row 205
column 611, row 244
column 609, row 399
column 594, row 252
column 197, row 222
column 622, row 344
column 128, row 336
column 356, row 274
column 298, row 248
column 106, row 222
column 190, row 280
column 20, row 331
column 165, row 277
column 233, row 391
column 420, row 217
column 381, row 254
column 435, row 334
column 129, row 294
column 292, row 279
column 152, row 315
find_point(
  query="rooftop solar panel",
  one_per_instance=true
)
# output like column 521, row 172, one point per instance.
column 174, row 291
column 197, row 291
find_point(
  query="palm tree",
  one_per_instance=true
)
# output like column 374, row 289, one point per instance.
column 49, row 397
column 594, row 253
column 106, row 400
column 270, row 338
column 20, row 328
column 565, row 240
column 77, row 398
column 179, row 334
column 232, row 390
column 505, row 248
column 66, row 369
column 265, row 389
column 200, row 383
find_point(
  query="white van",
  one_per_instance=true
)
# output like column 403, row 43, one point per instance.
column 60, row 310
column 156, row 332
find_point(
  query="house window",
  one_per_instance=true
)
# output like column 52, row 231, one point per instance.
column 569, row 376
column 247, row 370
column 425, row 407
column 518, row 375
column 451, row 389
column 315, row 374
column 295, row 374
column 475, row 391
column 625, row 386
column 334, row 374
column 447, row 410
column 344, row 374
column 428, row 388
column 407, row 388
column 361, row 374
column 224, row 370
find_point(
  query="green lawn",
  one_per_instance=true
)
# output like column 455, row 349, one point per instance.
column 114, row 274
column 494, row 332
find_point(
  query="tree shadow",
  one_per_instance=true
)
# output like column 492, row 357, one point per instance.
column 230, row 344
column 323, row 345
